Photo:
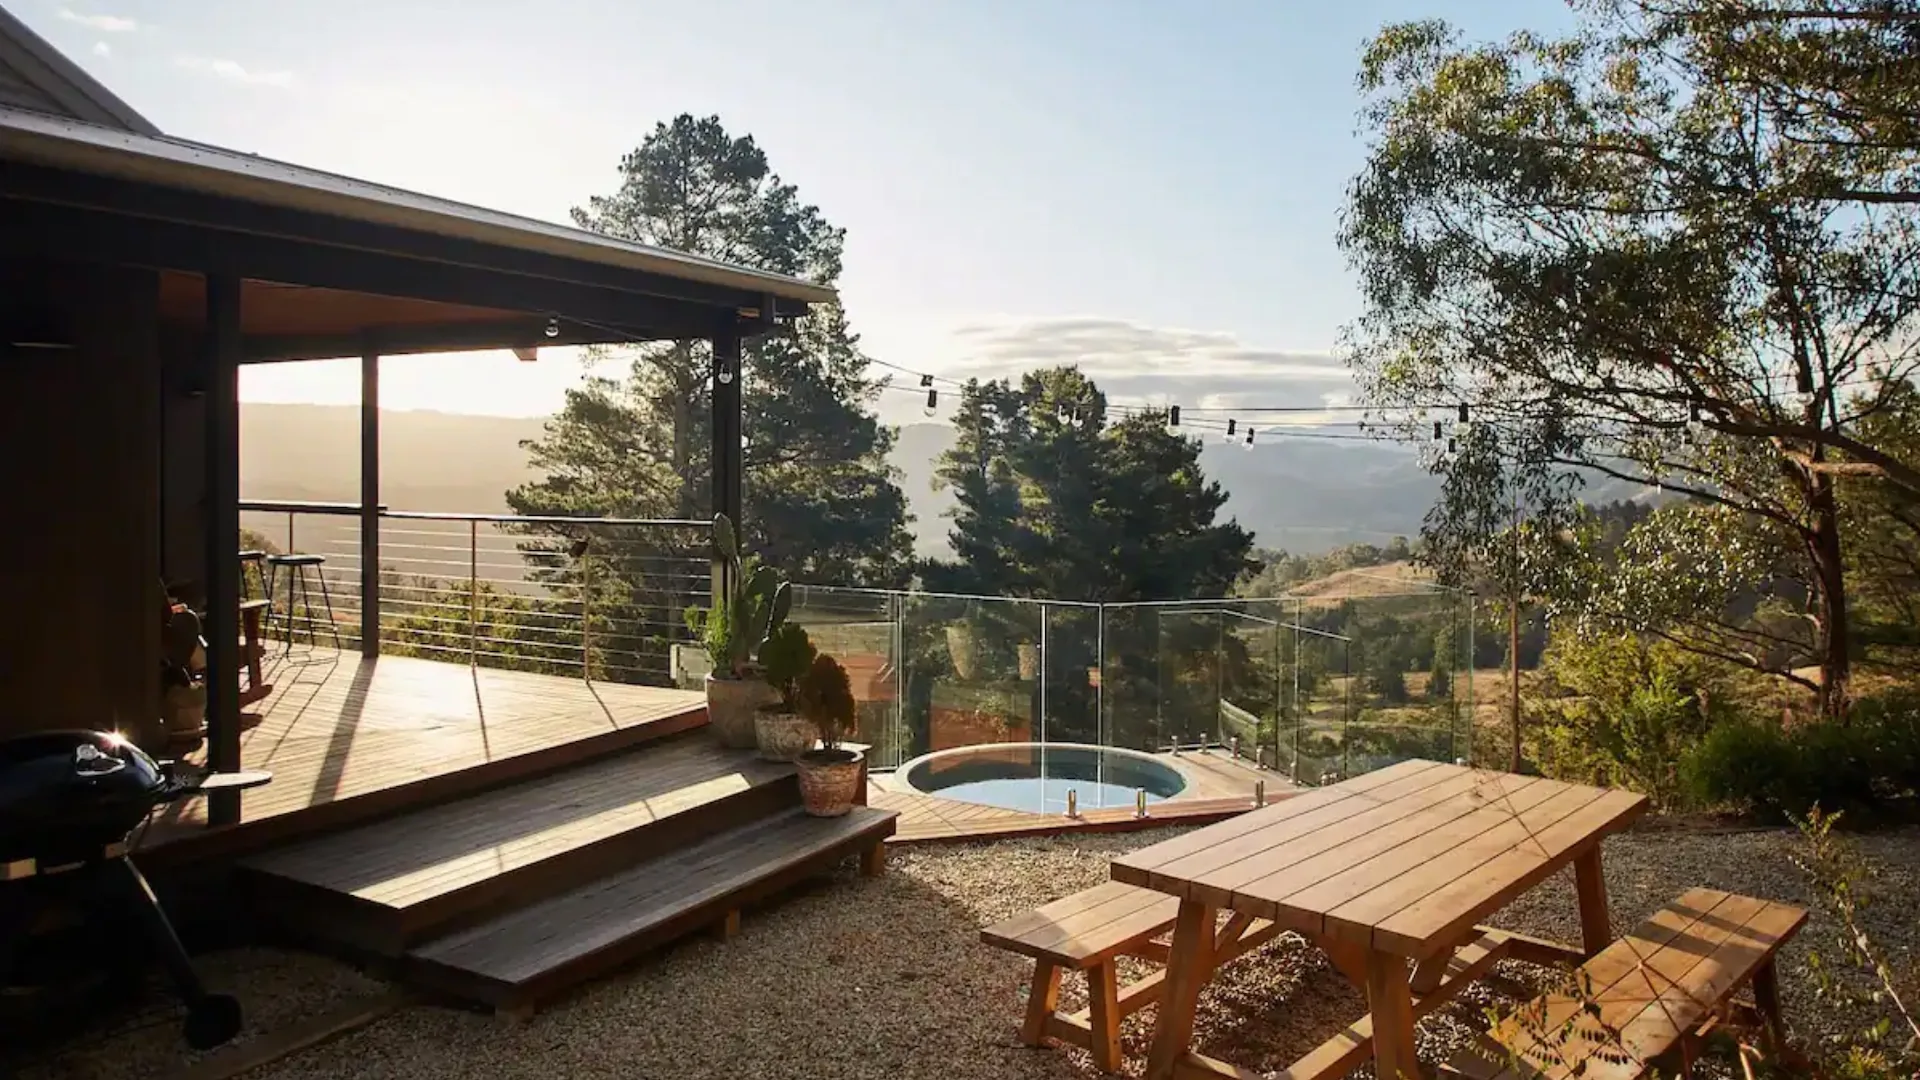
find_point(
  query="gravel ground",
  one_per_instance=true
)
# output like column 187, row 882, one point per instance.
column 885, row 979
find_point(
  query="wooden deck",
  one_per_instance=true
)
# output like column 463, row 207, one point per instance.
column 349, row 740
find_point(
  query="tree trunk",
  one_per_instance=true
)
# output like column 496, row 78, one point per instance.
column 1836, row 665
column 1513, row 665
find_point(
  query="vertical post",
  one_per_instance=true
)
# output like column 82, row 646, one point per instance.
column 728, row 465
column 369, row 503
column 473, row 592
column 223, row 539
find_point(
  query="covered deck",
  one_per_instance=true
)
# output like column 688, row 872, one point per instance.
column 350, row 738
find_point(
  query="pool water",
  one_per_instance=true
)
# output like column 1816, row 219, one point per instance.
column 1036, row 777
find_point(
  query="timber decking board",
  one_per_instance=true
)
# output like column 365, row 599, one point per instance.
column 1440, row 875
column 430, row 853
column 353, row 739
column 623, row 914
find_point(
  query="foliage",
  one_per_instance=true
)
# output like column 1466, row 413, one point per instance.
column 824, row 501
column 1860, row 767
column 1623, row 711
column 826, row 697
column 785, row 658
column 1056, row 498
column 757, row 604
column 1595, row 240
column 1841, row 876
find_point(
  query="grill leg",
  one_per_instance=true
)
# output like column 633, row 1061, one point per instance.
column 212, row 1019
column 146, row 908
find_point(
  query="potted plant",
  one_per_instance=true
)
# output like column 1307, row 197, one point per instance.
column 782, row 732
column 732, row 632
column 830, row 774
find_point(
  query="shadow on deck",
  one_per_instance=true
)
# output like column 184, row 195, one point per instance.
column 349, row 739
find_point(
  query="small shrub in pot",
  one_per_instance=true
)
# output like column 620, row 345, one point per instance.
column 782, row 732
column 830, row 775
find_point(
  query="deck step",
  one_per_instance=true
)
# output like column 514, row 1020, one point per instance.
column 384, row 886
column 527, row 956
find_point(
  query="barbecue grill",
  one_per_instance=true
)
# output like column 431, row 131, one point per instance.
column 69, row 801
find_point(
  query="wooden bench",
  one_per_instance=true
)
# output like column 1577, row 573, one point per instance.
column 1088, row 932
column 1659, row 991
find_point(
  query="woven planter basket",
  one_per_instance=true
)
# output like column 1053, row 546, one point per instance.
column 829, row 789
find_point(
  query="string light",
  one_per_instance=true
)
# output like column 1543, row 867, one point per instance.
column 1248, row 445
column 553, row 327
column 933, row 402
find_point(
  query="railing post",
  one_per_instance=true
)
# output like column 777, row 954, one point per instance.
column 473, row 593
column 586, row 616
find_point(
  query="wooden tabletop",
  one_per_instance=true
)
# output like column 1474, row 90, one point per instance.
column 1405, row 859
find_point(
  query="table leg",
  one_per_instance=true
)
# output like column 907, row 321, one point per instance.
column 1590, row 884
column 1189, row 966
column 1390, row 999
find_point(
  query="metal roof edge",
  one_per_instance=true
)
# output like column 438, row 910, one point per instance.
column 65, row 81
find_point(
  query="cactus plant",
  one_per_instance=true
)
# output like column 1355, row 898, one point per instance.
column 756, row 604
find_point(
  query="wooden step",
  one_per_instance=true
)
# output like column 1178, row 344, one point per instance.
column 384, row 886
column 526, row 957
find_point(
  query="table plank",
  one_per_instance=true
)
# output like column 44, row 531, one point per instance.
column 1138, row 867
column 1477, row 892
column 1353, row 839
column 1193, row 867
column 1339, row 884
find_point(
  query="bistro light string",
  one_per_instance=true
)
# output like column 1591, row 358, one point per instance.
column 1226, row 422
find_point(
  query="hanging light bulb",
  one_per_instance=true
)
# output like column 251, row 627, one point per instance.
column 1695, row 425
column 1230, row 426
column 1437, row 433
column 1248, row 445
column 933, row 402
column 1173, row 419
column 723, row 373
column 553, row 327
column 1462, row 425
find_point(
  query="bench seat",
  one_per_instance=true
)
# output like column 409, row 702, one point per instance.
column 1088, row 932
column 1656, row 990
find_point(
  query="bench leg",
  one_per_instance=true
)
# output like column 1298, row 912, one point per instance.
column 1766, row 998
column 1103, row 1004
column 873, row 860
column 1042, row 1000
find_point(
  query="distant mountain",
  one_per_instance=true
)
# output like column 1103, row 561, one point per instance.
column 1305, row 496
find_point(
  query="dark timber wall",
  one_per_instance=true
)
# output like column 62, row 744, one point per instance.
column 80, row 551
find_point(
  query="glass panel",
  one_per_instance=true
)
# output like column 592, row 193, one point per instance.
column 858, row 628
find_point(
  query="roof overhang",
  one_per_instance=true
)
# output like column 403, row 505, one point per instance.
column 389, row 269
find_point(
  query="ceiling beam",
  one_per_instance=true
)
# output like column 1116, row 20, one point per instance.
column 436, row 338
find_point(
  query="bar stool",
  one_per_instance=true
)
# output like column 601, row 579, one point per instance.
column 295, row 566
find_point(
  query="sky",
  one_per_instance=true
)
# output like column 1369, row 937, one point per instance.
column 1149, row 189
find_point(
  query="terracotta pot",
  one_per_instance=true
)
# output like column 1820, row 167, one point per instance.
column 960, row 646
column 829, row 781
column 731, row 704
column 783, row 736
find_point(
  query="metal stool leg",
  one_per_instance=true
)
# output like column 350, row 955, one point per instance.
column 333, row 624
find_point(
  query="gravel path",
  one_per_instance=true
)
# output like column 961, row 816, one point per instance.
column 885, row 979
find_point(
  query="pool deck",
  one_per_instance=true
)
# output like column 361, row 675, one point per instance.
column 1218, row 787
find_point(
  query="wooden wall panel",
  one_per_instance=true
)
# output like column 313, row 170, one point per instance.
column 80, row 552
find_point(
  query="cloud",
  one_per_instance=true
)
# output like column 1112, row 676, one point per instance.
column 101, row 48
column 232, row 71
column 108, row 24
column 1137, row 363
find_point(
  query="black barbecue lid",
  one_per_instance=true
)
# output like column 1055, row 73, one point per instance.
column 51, row 769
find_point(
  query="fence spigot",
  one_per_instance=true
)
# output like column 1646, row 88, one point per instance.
column 1073, row 803
column 1139, row 802
column 1233, row 746
column 1259, row 793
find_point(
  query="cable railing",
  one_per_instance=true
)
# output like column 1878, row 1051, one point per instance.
column 590, row 597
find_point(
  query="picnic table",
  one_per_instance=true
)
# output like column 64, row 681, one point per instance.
column 1392, row 870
